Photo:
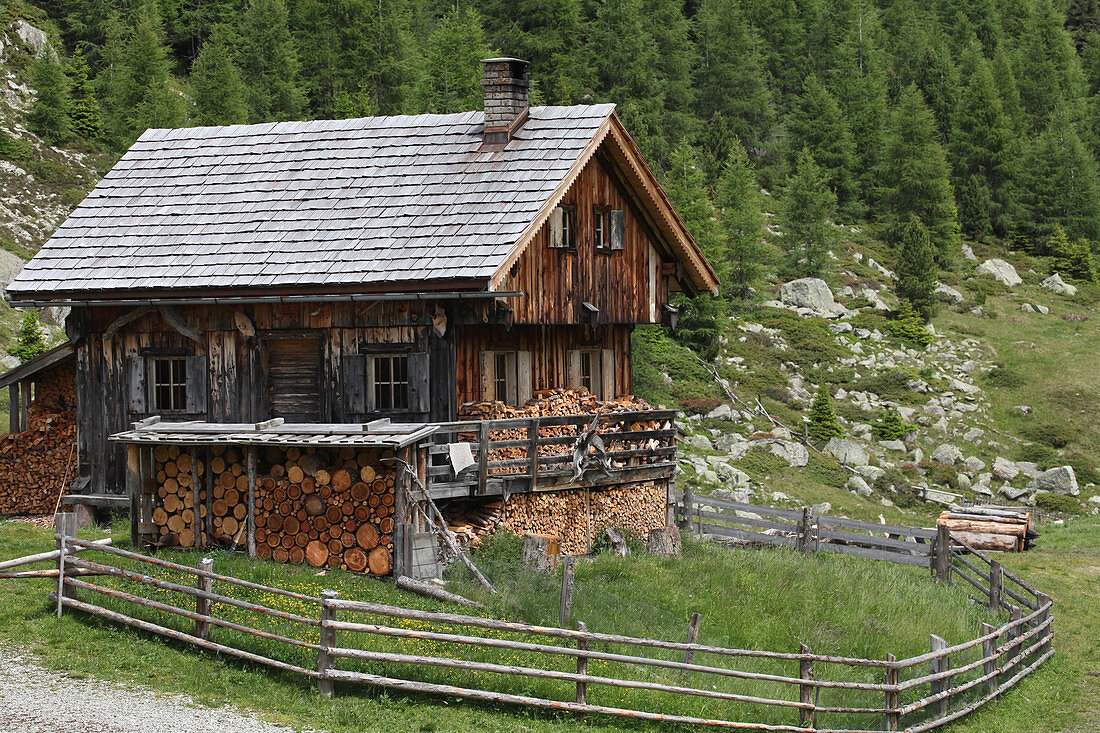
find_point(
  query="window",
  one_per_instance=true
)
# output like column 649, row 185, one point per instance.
column 593, row 370
column 506, row 376
column 501, row 374
column 586, row 371
column 600, row 233
column 563, row 227
column 391, row 381
column 609, row 229
column 170, row 383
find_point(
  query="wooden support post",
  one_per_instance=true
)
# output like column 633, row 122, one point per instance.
column 1043, row 599
column 134, row 491
column 13, row 408
column 996, row 582
column 805, row 691
column 689, row 499
column 328, row 641
column 64, row 529
column 203, row 606
column 805, row 543
column 251, row 523
column 482, row 457
column 989, row 648
column 692, row 637
column 208, row 525
column 533, row 451
column 893, row 697
column 24, row 403
column 582, row 666
column 196, row 500
column 943, row 554
column 565, row 606
column 937, row 665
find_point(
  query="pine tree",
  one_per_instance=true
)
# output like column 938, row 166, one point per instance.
column 29, row 341
column 818, row 124
column 823, row 423
column 1048, row 71
column 685, row 183
column 924, row 60
column 807, row 207
column 742, row 223
column 1072, row 259
column 1082, row 19
column 137, row 84
column 49, row 115
column 85, row 113
column 1059, row 184
column 454, row 53
column 219, row 90
column 916, row 269
column 915, row 176
column 1005, row 78
column 269, row 63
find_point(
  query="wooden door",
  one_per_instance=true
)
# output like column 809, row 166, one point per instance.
column 294, row 379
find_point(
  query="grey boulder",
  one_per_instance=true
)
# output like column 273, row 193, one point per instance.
column 1001, row 271
column 813, row 294
column 1057, row 480
column 847, row 452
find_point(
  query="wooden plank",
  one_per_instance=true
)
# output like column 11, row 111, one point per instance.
column 871, row 554
column 748, row 521
column 748, row 536
column 897, row 529
column 793, row 514
column 917, row 548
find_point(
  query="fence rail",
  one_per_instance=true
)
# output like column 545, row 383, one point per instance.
column 368, row 643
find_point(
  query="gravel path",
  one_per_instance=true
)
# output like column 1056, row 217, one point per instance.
column 36, row 700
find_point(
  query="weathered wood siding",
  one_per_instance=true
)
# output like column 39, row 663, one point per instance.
column 626, row 285
column 549, row 347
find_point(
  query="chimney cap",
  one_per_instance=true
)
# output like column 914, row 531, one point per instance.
column 501, row 59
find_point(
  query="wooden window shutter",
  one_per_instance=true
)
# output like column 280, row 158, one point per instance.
column 487, row 376
column 573, row 370
column 556, row 237
column 137, row 391
column 196, row 384
column 419, row 382
column 618, row 229
column 607, row 374
column 368, row 373
column 524, row 377
column 355, row 383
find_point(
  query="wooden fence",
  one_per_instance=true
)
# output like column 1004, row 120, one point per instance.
column 352, row 641
column 536, row 453
column 806, row 530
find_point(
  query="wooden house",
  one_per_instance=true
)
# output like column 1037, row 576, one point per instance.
column 343, row 271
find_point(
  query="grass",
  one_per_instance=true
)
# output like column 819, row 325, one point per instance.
column 748, row 598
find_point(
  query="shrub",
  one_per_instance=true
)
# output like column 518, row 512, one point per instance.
column 892, row 384
column 1041, row 455
column 908, row 326
column 1058, row 503
column 899, row 484
column 823, row 422
column 941, row 474
column 890, row 426
column 1083, row 468
column 29, row 342
column 1054, row 434
column 1006, row 377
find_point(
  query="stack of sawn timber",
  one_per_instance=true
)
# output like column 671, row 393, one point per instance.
column 330, row 508
column 1007, row 529
column 34, row 463
column 469, row 521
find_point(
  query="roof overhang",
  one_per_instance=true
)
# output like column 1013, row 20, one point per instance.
column 624, row 152
column 38, row 364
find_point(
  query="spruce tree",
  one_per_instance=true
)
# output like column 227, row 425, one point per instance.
column 823, row 423
column 915, row 176
column 1059, row 184
column 1072, row 259
column 216, row 80
column 916, row 268
column 1082, row 19
column 807, row 206
column 28, row 340
column 818, row 124
column 49, row 114
column 452, row 82
column 269, row 63
column 742, row 223
column 1048, row 71
column 85, row 113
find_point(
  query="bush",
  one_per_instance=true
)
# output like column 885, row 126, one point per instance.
column 892, row 384
column 1083, row 468
column 1040, row 455
column 908, row 326
column 1006, row 377
column 899, row 484
column 823, row 422
column 890, row 426
column 1054, row 434
column 29, row 339
column 940, row 474
column 1058, row 503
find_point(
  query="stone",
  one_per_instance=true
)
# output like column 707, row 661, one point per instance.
column 1058, row 286
column 731, row 475
column 886, row 502
column 1026, row 308
column 974, row 464
column 795, row 454
column 1041, row 309
column 947, row 454
column 964, row 481
column 857, row 485
column 822, row 508
column 722, row 412
column 894, row 445
column 847, row 452
column 781, row 433
column 33, row 37
column 1057, row 480
column 1029, row 469
column 779, row 496
column 813, row 294
column 968, row 253
column 699, row 441
column 709, row 476
column 973, row 434
column 10, row 266
column 870, row 474
column 947, row 294
column 918, row 455
column 1094, row 499
column 1001, row 271
column 1004, row 469
column 1011, row 492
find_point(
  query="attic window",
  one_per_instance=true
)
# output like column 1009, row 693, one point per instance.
column 563, row 227
column 609, row 226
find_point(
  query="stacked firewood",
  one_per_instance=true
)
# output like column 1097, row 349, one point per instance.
column 328, row 508
column 470, row 521
column 578, row 516
column 1007, row 529
column 35, row 463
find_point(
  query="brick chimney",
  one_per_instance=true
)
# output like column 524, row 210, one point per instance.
column 506, row 104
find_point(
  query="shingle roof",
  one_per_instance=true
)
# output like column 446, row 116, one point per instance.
column 370, row 201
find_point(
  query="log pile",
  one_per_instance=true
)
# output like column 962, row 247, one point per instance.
column 470, row 521
column 1006, row 529
column 578, row 516
column 33, row 463
column 327, row 508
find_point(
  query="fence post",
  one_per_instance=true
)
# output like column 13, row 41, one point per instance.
column 203, row 606
column 893, row 697
column 805, row 692
column 996, row 582
column 685, row 517
column 693, row 636
column 937, row 665
column 565, row 605
column 582, row 667
column 1043, row 599
column 805, row 531
column 64, row 527
column 943, row 554
column 328, row 641
column 989, row 649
